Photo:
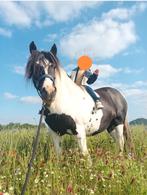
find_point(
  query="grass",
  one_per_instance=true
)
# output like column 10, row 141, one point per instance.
column 109, row 174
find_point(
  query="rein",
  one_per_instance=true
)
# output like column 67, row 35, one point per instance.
column 34, row 147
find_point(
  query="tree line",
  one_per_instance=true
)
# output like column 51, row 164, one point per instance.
column 14, row 126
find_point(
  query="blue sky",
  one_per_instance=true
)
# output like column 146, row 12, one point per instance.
column 113, row 34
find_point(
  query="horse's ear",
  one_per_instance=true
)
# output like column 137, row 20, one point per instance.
column 32, row 47
column 54, row 50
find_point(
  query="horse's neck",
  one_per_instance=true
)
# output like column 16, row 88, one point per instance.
column 64, row 82
column 67, row 91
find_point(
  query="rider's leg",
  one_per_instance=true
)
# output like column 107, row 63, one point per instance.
column 95, row 97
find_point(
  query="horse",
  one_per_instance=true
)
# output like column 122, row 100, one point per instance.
column 69, row 107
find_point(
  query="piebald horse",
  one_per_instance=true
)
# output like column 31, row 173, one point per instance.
column 71, row 110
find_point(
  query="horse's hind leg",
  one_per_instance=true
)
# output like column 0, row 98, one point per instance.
column 118, row 136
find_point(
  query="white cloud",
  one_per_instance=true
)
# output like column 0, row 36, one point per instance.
column 128, row 70
column 118, row 13
column 14, row 14
column 51, row 37
column 139, row 7
column 23, row 14
column 19, row 70
column 9, row 96
column 63, row 11
column 106, row 70
column 124, row 13
column 100, row 39
column 31, row 99
column 24, row 99
column 104, row 37
column 5, row 32
column 140, row 84
column 135, row 94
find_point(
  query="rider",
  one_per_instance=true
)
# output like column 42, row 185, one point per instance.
column 84, row 77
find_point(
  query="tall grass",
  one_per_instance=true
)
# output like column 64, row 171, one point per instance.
column 109, row 174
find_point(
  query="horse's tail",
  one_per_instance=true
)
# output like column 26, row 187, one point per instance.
column 128, row 137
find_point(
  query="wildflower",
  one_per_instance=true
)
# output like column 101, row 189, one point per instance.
column 92, row 176
column 100, row 177
column 49, row 185
column 12, row 153
column 91, row 191
column 69, row 188
column 11, row 188
column 36, row 180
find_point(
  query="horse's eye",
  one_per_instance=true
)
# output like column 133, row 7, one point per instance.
column 41, row 71
column 52, row 65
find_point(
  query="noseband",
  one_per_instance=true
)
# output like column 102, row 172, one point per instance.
column 37, row 84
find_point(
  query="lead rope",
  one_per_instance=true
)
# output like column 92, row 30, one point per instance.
column 35, row 142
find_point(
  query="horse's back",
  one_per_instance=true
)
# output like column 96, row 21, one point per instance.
column 115, row 107
column 112, row 96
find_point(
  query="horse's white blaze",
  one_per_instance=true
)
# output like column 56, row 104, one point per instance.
column 117, row 134
column 48, row 85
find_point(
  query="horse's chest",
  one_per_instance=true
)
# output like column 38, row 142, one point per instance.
column 94, row 122
column 61, row 124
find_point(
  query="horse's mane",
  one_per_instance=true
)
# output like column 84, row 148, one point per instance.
column 31, row 66
column 33, row 69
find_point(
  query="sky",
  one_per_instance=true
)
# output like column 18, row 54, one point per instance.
column 113, row 34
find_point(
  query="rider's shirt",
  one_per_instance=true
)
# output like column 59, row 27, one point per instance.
column 82, row 77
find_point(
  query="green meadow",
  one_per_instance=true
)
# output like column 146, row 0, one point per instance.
column 109, row 174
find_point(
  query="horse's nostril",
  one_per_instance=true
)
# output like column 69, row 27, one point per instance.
column 44, row 92
column 43, row 89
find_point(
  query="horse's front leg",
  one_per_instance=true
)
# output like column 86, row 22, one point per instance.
column 57, row 142
column 82, row 141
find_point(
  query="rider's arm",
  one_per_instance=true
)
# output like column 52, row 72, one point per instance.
column 93, row 77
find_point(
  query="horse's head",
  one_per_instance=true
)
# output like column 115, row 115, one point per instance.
column 41, row 68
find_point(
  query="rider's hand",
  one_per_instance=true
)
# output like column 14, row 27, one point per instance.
column 96, row 72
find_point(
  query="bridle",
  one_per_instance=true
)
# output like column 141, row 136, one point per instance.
column 52, row 78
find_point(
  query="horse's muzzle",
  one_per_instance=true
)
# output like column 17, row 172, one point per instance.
column 47, row 96
column 44, row 94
